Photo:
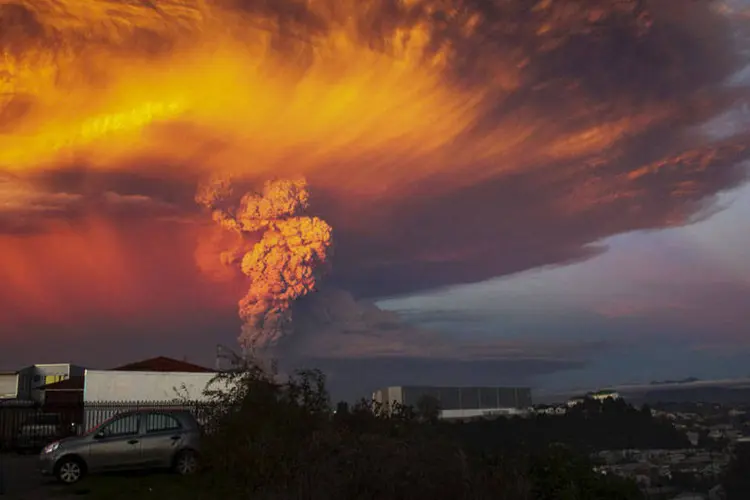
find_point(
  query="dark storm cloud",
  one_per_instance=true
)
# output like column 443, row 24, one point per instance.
column 339, row 334
column 29, row 203
column 467, row 318
column 512, row 225
column 583, row 63
column 361, row 348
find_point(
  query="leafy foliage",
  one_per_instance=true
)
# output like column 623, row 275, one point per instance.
column 736, row 479
column 588, row 427
column 281, row 440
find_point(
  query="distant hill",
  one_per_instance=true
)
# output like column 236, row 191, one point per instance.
column 689, row 390
column 692, row 390
column 718, row 395
column 669, row 382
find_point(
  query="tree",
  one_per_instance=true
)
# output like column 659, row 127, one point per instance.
column 279, row 439
column 559, row 474
column 342, row 408
column 428, row 408
column 736, row 478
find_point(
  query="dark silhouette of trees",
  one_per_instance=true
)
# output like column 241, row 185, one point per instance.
column 561, row 474
column 737, row 476
column 428, row 408
column 272, row 440
column 589, row 427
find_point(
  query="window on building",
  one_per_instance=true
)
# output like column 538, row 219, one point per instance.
column 37, row 378
column 123, row 426
column 161, row 422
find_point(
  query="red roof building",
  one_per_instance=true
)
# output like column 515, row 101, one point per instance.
column 163, row 364
column 63, row 394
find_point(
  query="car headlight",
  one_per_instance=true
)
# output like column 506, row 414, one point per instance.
column 51, row 447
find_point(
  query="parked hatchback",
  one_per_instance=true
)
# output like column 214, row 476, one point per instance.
column 144, row 439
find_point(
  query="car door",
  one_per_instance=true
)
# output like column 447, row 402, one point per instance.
column 117, row 444
column 160, row 439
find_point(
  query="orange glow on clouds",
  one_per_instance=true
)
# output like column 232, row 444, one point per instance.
column 332, row 106
column 380, row 109
column 94, row 270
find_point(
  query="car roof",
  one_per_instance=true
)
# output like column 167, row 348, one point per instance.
column 158, row 410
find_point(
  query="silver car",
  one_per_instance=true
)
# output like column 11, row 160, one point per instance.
column 144, row 439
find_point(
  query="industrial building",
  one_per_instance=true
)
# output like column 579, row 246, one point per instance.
column 461, row 402
column 27, row 383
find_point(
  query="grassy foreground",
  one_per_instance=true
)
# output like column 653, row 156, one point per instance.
column 132, row 487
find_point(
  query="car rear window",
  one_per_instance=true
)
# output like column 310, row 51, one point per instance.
column 161, row 422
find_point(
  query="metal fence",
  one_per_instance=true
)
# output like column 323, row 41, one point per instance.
column 29, row 427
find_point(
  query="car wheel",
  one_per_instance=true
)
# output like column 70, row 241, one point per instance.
column 186, row 463
column 69, row 471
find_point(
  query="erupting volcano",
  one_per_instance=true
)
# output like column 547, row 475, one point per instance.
column 284, row 265
column 446, row 141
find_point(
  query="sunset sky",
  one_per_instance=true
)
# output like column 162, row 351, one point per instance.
column 543, row 196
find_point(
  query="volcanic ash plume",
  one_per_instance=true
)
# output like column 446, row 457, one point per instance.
column 283, row 265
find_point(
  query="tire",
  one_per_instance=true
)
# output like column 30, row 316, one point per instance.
column 70, row 470
column 186, row 463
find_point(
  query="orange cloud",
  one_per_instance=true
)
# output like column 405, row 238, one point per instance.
column 445, row 142
column 90, row 270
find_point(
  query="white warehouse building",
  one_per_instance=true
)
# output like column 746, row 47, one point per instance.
column 461, row 402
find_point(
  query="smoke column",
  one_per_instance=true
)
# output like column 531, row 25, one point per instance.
column 283, row 265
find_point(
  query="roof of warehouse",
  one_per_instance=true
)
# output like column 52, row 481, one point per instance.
column 163, row 364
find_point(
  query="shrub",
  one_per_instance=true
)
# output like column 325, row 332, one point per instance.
column 281, row 440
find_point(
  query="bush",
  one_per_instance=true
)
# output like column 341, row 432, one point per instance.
column 281, row 440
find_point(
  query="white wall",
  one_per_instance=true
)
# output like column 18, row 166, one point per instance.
column 110, row 386
column 125, row 386
column 483, row 412
column 8, row 386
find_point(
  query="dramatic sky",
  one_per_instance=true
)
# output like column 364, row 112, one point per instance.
column 533, row 192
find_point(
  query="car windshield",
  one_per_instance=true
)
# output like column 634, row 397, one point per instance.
column 100, row 425
column 97, row 427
